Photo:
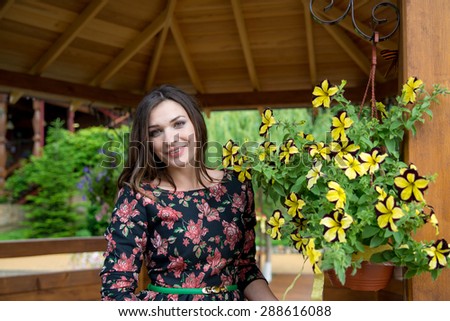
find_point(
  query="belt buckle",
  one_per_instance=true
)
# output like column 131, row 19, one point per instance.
column 214, row 289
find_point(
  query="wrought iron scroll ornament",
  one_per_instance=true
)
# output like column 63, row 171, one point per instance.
column 375, row 21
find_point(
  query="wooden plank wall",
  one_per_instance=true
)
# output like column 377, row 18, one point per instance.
column 425, row 54
column 78, row 285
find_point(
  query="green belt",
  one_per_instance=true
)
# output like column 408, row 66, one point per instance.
column 205, row 290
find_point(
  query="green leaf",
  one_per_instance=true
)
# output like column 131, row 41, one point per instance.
column 369, row 231
column 376, row 241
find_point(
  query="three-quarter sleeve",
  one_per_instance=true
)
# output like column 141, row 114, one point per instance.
column 127, row 237
column 248, row 269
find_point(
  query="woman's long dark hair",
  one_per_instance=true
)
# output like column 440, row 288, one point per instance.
column 142, row 165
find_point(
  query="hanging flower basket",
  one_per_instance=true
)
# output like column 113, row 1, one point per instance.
column 348, row 192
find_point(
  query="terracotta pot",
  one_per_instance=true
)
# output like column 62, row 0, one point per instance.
column 370, row 277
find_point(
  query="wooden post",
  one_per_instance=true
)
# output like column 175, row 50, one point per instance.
column 425, row 47
column 38, row 126
column 70, row 118
column 3, row 154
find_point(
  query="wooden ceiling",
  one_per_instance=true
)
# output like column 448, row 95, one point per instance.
column 232, row 54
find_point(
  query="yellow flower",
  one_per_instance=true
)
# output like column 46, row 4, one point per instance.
column 320, row 149
column 287, row 150
column 336, row 194
column 352, row 166
column 267, row 121
column 410, row 185
column 343, row 147
column 388, row 213
column 382, row 193
column 314, row 256
column 294, row 204
column 430, row 217
column 299, row 242
column 438, row 254
column 229, row 153
column 410, row 89
column 373, row 160
column 276, row 221
column 314, row 174
column 335, row 225
column 339, row 124
column 267, row 148
column 309, row 137
column 244, row 173
column 324, row 94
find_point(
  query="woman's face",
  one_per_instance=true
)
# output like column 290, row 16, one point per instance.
column 172, row 134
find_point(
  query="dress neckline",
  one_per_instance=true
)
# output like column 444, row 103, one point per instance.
column 225, row 178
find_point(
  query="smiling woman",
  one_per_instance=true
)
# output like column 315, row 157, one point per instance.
column 191, row 224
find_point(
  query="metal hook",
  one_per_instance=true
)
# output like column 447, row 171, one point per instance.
column 375, row 20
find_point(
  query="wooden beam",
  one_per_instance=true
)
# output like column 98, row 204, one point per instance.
column 5, row 7
column 282, row 99
column 57, row 89
column 67, row 37
column 310, row 44
column 131, row 49
column 245, row 43
column 45, row 87
column 160, row 46
column 360, row 3
column 187, row 60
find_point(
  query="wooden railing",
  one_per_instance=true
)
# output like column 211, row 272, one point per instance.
column 72, row 285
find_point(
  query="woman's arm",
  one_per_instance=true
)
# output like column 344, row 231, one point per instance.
column 126, row 236
column 258, row 290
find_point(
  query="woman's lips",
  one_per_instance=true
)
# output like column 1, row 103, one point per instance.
column 176, row 152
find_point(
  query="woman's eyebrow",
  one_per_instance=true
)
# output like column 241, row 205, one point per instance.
column 171, row 121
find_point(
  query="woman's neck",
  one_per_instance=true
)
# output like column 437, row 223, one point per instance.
column 185, row 179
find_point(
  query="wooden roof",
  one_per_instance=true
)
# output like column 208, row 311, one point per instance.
column 231, row 53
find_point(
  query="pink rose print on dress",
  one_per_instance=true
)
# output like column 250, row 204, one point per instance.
column 127, row 210
column 168, row 215
column 176, row 265
column 125, row 264
column 211, row 214
column 111, row 244
column 160, row 244
column 195, row 231
column 215, row 263
column 217, row 191
column 232, row 234
column 192, row 281
column 239, row 201
column 122, row 283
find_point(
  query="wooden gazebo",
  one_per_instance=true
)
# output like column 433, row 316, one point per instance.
column 233, row 54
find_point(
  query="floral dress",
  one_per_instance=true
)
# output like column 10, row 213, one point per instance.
column 189, row 239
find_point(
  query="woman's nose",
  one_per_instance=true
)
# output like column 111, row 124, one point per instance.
column 171, row 135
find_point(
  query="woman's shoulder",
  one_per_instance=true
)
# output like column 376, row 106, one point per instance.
column 143, row 190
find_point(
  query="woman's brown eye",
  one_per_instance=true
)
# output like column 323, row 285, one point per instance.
column 180, row 124
column 154, row 133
